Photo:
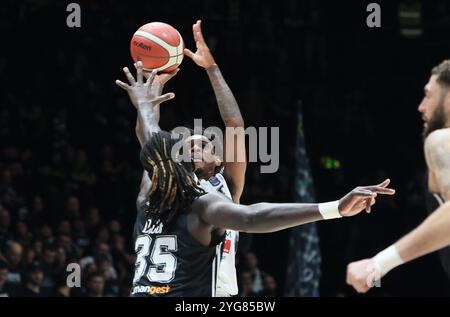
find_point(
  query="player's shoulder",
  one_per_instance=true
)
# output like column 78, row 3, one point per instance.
column 437, row 139
column 208, row 197
column 207, row 201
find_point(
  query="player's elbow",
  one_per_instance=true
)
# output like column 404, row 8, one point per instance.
column 244, row 219
column 248, row 221
column 262, row 218
column 253, row 220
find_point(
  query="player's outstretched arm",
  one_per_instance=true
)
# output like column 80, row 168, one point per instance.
column 433, row 234
column 146, row 98
column 157, row 87
column 234, row 141
column 228, row 107
column 270, row 217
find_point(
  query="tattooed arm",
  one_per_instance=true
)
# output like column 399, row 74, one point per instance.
column 437, row 153
column 431, row 235
column 234, row 154
column 434, row 232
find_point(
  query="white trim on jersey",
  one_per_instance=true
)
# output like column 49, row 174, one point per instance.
column 439, row 199
column 215, row 271
column 227, row 277
column 226, row 283
column 214, row 277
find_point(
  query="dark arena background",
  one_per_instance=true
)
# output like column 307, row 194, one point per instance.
column 345, row 92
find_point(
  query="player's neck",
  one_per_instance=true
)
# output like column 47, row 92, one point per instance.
column 205, row 176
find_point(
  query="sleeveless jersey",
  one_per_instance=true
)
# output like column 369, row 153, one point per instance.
column 171, row 262
column 227, row 277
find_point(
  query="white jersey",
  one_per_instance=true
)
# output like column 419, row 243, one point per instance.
column 226, row 278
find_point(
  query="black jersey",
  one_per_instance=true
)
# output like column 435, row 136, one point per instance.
column 170, row 262
column 433, row 202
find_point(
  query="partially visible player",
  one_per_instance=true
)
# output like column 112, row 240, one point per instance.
column 179, row 225
column 217, row 173
column 434, row 233
column 231, row 179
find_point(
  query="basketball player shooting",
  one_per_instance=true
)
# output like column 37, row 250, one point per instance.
column 226, row 177
column 177, row 234
column 433, row 233
column 229, row 182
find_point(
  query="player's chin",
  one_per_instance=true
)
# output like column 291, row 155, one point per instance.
column 199, row 165
column 200, row 168
column 203, row 168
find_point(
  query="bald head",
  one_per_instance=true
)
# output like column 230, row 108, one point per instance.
column 14, row 253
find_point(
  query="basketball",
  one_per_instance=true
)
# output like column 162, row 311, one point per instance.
column 158, row 46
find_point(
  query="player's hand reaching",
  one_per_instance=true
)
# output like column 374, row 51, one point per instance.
column 140, row 92
column 362, row 197
column 202, row 56
column 363, row 275
column 160, row 79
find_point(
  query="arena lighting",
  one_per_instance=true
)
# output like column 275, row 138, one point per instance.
column 410, row 18
column 330, row 163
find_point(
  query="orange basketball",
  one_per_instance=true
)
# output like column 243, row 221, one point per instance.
column 158, row 46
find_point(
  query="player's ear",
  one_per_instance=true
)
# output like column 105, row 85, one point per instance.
column 217, row 160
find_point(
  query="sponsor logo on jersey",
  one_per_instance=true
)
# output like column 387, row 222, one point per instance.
column 152, row 290
column 227, row 246
column 149, row 230
column 214, row 181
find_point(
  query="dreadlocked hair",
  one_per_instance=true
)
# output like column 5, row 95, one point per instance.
column 173, row 185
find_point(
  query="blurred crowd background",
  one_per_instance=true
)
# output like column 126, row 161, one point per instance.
column 69, row 168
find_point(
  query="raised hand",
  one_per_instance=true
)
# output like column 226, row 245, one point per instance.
column 140, row 92
column 363, row 197
column 202, row 56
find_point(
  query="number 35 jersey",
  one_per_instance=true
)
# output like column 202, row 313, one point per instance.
column 171, row 262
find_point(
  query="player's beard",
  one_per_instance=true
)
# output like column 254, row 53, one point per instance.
column 437, row 120
column 205, row 170
column 201, row 173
